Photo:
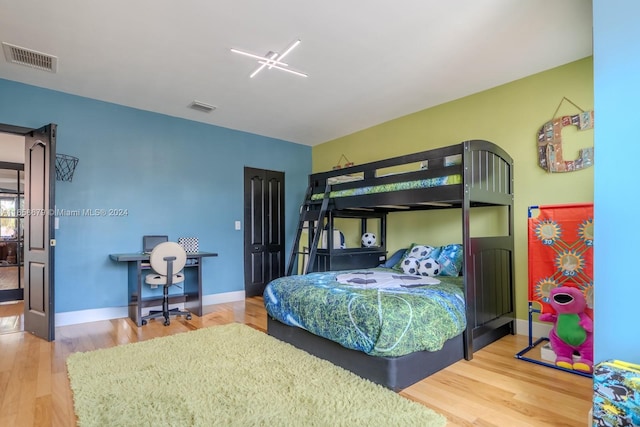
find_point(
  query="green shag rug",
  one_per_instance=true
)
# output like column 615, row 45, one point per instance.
column 229, row 375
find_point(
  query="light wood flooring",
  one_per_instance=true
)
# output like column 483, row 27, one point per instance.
column 494, row 389
column 9, row 277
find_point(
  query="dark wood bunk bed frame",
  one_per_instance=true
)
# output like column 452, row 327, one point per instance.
column 486, row 173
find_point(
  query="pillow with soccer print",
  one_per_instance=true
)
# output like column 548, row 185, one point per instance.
column 421, row 267
column 419, row 252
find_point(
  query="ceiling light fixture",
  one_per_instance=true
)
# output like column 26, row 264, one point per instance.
column 272, row 60
column 272, row 56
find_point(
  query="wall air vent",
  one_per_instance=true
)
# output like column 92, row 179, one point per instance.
column 30, row 58
column 201, row 106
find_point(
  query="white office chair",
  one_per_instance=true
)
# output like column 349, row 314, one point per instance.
column 167, row 261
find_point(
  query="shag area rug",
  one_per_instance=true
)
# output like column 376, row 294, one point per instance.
column 229, row 375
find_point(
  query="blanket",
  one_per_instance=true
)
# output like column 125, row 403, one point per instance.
column 384, row 279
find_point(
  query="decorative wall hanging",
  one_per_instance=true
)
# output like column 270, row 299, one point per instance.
column 347, row 163
column 550, row 156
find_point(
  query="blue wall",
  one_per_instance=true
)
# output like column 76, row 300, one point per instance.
column 617, row 153
column 173, row 176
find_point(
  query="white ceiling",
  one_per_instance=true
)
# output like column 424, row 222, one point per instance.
column 368, row 61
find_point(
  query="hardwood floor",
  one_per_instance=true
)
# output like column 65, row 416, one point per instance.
column 493, row 389
column 11, row 318
column 9, row 277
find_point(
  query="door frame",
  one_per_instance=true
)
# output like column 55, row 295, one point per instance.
column 47, row 333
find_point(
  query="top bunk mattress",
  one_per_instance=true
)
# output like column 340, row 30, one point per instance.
column 378, row 317
column 398, row 186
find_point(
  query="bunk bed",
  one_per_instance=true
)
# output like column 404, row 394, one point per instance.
column 463, row 176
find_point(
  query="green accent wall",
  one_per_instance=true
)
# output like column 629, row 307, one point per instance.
column 509, row 115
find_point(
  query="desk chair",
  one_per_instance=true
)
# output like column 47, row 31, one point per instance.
column 167, row 261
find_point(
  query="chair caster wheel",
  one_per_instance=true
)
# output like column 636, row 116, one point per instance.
column 144, row 322
column 188, row 317
column 167, row 322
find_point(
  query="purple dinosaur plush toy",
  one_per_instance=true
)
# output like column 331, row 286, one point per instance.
column 572, row 332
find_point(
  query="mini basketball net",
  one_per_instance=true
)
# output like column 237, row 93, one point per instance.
column 65, row 166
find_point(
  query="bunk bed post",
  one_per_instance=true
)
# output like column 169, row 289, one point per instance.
column 512, row 263
column 468, row 264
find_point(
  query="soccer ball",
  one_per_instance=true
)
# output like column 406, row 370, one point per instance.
column 428, row 267
column 421, row 251
column 368, row 240
column 410, row 265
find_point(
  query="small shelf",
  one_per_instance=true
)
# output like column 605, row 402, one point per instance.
column 190, row 263
column 354, row 224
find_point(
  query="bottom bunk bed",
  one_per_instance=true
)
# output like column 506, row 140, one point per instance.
column 391, row 327
column 395, row 373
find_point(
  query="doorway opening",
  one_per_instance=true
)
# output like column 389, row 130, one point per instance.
column 11, row 232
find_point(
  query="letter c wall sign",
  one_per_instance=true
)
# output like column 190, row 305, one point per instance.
column 550, row 144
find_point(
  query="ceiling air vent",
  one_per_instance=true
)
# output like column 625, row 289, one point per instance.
column 30, row 58
column 201, row 106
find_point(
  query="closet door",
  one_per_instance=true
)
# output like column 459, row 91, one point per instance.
column 263, row 228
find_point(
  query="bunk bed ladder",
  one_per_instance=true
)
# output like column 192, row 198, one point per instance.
column 311, row 220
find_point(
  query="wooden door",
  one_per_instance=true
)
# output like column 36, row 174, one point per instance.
column 39, row 242
column 263, row 228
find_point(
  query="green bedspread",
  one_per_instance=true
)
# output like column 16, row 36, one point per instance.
column 380, row 321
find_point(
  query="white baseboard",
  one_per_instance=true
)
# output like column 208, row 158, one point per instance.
column 97, row 314
column 538, row 329
column 93, row 315
column 223, row 298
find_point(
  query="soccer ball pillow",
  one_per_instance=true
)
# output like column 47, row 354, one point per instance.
column 368, row 240
column 410, row 265
column 421, row 267
column 428, row 267
column 421, row 251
